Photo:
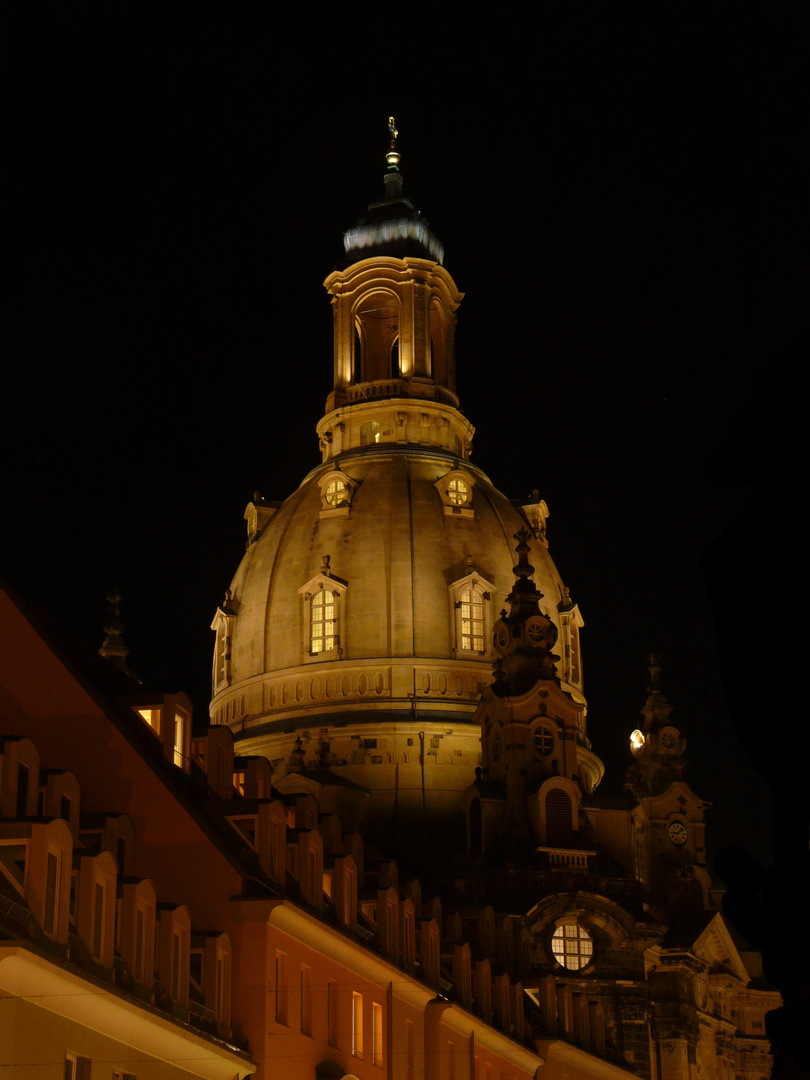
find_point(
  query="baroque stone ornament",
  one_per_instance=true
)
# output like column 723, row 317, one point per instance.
column 524, row 638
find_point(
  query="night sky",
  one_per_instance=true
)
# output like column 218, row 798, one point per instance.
column 622, row 197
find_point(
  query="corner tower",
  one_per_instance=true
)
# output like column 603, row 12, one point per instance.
column 355, row 639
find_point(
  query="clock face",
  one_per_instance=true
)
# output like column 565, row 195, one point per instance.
column 637, row 742
column 677, row 833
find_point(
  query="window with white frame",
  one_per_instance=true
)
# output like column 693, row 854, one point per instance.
column 323, row 625
column 376, row 1033
column 472, row 623
column 455, row 489
column 180, row 730
column 337, row 491
column 323, row 599
column 77, row 1067
column 357, row 1024
column 471, row 598
column 572, row 946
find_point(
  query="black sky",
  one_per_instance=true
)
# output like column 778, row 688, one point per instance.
column 622, row 196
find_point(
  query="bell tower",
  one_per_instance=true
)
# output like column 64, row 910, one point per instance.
column 394, row 308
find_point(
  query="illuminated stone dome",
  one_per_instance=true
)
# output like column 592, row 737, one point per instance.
column 360, row 619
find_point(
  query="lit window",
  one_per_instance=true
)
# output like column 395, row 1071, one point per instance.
column 369, row 433
column 572, row 946
column 543, row 741
column 323, row 622
column 472, row 619
column 357, row 1024
column 455, row 489
column 457, row 492
column 152, row 718
column 179, row 738
column 377, row 1033
column 336, row 493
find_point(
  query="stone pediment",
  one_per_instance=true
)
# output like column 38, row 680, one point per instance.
column 707, row 937
column 716, row 948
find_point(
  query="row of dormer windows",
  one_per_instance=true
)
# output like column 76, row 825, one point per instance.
column 72, row 874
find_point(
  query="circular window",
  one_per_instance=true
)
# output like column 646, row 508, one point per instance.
column 543, row 741
column 669, row 738
column 335, row 493
column 572, row 946
column 457, row 492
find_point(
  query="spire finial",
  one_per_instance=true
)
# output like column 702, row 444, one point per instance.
column 392, row 157
column 114, row 649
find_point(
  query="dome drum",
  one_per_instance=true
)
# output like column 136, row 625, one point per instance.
column 402, row 422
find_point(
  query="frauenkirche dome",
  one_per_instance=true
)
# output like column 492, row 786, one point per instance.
column 355, row 639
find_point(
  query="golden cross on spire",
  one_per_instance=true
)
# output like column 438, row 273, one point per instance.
column 392, row 157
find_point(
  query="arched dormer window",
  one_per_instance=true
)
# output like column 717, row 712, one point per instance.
column 337, row 492
column 471, row 598
column 222, row 626
column 323, row 598
column 455, row 489
column 571, row 622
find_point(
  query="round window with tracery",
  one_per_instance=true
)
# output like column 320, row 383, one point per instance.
column 543, row 741
column 572, row 946
column 457, row 492
column 335, row 493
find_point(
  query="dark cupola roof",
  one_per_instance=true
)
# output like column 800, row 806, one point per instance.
column 393, row 226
